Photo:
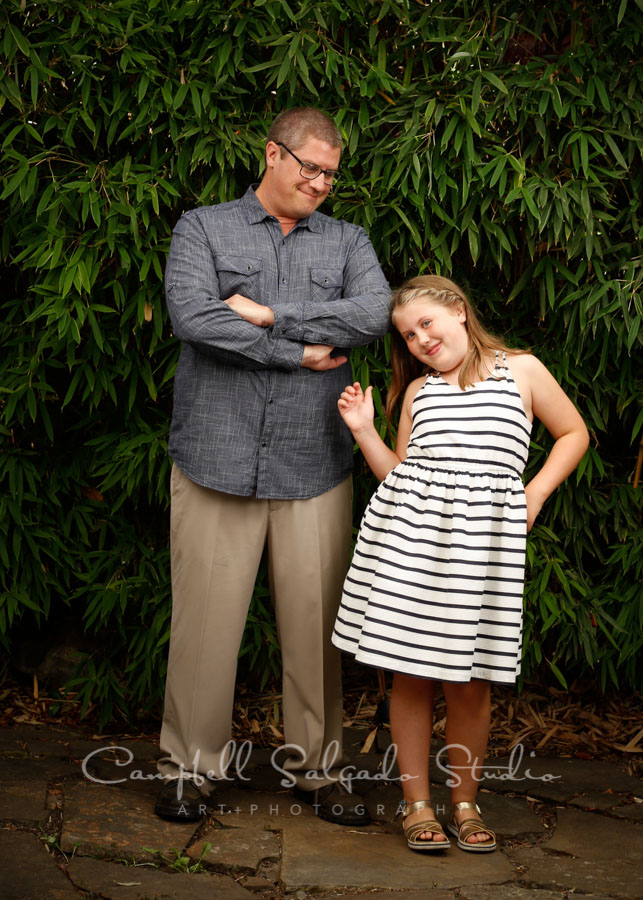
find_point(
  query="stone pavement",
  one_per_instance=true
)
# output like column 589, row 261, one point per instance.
column 76, row 820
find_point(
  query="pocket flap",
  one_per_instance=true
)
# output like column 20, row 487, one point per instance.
column 327, row 278
column 242, row 265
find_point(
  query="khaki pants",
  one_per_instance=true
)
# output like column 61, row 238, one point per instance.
column 217, row 541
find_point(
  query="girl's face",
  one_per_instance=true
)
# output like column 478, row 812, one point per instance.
column 435, row 334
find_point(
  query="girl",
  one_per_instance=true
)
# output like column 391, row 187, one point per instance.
column 434, row 592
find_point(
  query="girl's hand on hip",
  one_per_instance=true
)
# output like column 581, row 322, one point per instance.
column 535, row 502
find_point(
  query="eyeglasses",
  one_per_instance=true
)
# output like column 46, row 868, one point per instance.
column 311, row 171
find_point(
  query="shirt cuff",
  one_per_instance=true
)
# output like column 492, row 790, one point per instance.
column 285, row 354
column 289, row 321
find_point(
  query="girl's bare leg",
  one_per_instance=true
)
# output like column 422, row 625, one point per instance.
column 411, row 727
column 467, row 733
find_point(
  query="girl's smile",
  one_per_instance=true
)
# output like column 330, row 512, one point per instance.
column 434, row 334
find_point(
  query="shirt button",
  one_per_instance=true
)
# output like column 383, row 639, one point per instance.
column 264, row 444
column 283, row 280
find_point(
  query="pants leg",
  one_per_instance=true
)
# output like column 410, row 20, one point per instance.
column 216, row 544
column 309, row 544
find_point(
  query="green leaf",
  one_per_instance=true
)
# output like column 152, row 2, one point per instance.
column 617, row 153
column 20, row 39
column 475, row 95
column 15, row 182
column 559, row 675
column 196, row 99
column 638, row 425
column 474, row 242
column 142, row 87
column 381, row 56
column 495, row 81
column 602, row 93
column 632, row 332
column 584, row 155
column 529, row 202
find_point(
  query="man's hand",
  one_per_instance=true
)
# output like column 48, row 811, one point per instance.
column 252, row 312
column 318, row 358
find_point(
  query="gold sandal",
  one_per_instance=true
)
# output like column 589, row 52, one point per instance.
column 469, row 827
column 412, row 832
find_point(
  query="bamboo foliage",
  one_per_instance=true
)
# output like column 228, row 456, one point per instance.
column 498, row 143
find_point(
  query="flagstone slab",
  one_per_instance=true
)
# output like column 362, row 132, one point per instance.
column 519, row 892
column 237, row 849
column 612, row 877
column 425, row 894
column 632, row 811
column 29, row 872
column 121, row 771
column 509, row 892
column 556, row 779
column 509, row 816
column 24, row 787
column 374, row 860
column 274, row 816
column 120, row 882
column 125, row 750
column 596, row 800
column 38, row 744
column 103, row 821
column 592, row 836
column 21, row 734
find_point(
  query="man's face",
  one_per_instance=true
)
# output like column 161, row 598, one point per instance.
column 286, row 193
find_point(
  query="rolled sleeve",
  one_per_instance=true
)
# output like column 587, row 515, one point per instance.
column 359, row 316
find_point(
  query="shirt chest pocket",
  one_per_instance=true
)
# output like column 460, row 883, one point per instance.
column 239, row 275
column 326, row 284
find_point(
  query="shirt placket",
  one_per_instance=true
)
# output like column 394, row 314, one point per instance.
column 266, row 465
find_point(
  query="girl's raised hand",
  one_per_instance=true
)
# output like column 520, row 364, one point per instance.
column 356, row 407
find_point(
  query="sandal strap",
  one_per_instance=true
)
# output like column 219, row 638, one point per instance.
column 416, row 806
column 475, row 826
column 471, row 826
column 418, row 828
column 464, row 804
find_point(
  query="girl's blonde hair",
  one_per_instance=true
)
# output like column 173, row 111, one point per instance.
column 405, row 367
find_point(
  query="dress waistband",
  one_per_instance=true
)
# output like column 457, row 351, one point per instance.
column 462, row 465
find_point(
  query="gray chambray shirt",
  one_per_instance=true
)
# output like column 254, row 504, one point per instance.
column 248, row 419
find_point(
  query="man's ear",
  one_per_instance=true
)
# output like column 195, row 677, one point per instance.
column 273, row 151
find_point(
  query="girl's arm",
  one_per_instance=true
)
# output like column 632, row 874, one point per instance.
column 356, row 409
column 562, row 420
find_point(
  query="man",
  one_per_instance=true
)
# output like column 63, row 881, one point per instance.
column 261, row 291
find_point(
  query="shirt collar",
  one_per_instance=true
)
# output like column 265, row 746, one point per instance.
column 256, row 213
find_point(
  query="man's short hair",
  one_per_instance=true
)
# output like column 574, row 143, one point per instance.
column 293, row 126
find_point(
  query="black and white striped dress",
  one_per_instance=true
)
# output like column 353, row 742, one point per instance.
column 436, row 583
